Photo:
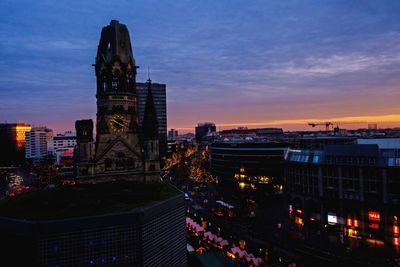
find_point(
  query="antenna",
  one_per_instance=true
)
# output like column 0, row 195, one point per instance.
column 148, row 73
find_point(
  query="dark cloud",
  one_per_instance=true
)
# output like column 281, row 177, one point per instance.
column 256, row 57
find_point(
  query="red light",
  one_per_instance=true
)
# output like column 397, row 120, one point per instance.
column 68, row 152
column 355, row 223
column 374, row 225
column 349, row 222
column 395, row 230
column 396, row 241
column 374, row 216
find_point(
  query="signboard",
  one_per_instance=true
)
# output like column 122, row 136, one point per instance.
column 332, row 219
column 374, row 216
column 374, row 226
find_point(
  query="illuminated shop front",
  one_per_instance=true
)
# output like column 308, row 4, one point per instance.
column 250, row 165
column 354, row 189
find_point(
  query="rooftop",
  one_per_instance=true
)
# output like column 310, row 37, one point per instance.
column 84, row 200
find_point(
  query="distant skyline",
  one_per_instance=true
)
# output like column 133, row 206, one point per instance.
column 236, row 63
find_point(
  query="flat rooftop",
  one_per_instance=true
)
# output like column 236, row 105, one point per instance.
column 83, row 200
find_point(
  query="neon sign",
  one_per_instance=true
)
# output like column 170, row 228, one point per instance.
column 374, row 216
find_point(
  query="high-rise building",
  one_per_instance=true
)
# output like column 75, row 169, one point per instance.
column 172, row 135
column 12, row 142
column 39, row 144
column 202, row 129
column 160, row 104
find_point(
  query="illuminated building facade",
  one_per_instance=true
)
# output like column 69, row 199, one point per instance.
column 63, row 148
column 348, row 193
column 39, row 144
column 250, row 164
column 12, row 142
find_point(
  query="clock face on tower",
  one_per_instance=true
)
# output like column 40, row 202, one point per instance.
column 118, row 124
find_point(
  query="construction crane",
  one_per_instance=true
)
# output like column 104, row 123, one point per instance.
column 327, row 124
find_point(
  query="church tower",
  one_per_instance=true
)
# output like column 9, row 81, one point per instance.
column 118, row 148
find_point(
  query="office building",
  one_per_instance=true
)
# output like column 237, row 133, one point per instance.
column 171, row 147
column 172, row 135
column 63, row 148
column 12, row 143
column 39, row 144
column 249, row 164
column 345, row 193
column 203, row 129
column 160, row 104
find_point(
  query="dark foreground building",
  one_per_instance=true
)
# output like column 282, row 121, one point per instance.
column 107, row 224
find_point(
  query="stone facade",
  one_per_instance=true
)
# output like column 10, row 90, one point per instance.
column 122, row 145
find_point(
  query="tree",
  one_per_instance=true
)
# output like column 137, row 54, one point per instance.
column 47, row 173
column 199, row 170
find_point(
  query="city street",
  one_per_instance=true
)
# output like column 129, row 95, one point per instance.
column 267, row 232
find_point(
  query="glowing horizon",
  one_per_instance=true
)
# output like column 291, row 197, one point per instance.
column 353, row 121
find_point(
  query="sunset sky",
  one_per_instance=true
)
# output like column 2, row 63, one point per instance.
column 235, row 63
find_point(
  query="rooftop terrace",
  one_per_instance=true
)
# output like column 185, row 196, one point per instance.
column 84, row 200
